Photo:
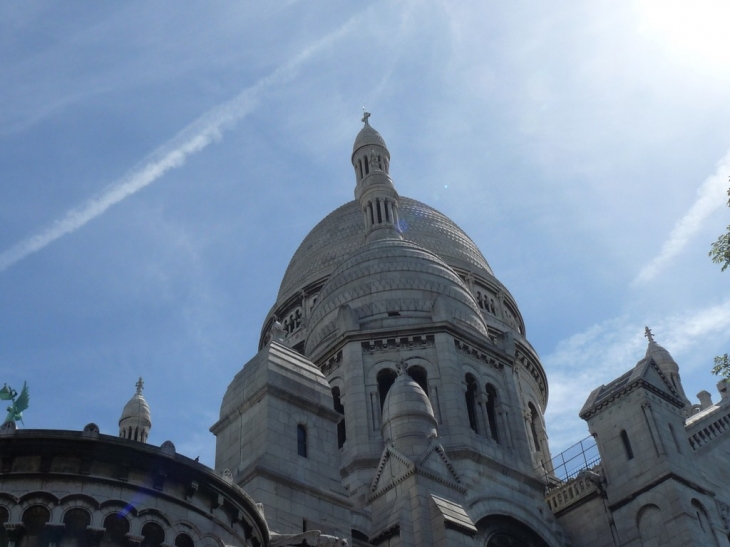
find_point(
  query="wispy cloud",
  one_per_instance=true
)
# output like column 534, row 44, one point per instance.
column 596, row 356
column 191, row 140
column 709, row 199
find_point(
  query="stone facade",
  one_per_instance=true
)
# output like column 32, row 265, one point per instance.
column 663, row 479
column 386, row 287
column 395, row 400
column 84, row 489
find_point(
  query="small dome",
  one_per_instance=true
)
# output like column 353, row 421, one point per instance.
column 136, row 420
column 408, row 419
column 368, row 136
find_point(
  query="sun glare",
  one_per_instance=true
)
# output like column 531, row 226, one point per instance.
column 694, row 32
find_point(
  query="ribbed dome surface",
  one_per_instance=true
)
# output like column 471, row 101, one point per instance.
column 396, row 278
column 366, row 136
column 341, row 233
column 407, row 412
column 138, row 409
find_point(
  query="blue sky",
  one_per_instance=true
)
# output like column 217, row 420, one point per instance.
column 159, row 167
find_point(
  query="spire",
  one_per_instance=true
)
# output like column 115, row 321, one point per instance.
column 666, row 364
column 375, row 190
column 136, row 422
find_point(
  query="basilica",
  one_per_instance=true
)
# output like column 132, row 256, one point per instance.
column 394, row 400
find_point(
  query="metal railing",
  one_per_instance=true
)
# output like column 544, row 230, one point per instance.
column 570, row 462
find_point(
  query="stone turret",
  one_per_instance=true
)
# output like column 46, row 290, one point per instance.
column 135, row 423
column 666, row 364
column 375, row 189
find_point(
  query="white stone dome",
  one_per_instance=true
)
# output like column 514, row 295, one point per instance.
column 366, row 137
column 136, row 420
column 340, row 233
column 408, row 417
column 388, row 283
column 137, row 409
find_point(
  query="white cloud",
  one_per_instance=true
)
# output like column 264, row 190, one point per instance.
column 191, row 140
column 709, row 199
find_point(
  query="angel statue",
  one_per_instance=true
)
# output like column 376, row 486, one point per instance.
column 15, row 411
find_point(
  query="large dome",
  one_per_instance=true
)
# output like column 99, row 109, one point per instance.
column 340, row 233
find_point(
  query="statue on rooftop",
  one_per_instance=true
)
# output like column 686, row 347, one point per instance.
column 20, row 402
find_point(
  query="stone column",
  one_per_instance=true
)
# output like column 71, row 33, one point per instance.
column 15, row 532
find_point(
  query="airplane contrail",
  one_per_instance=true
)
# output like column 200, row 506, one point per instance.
column 710, row 198
column 192, row 139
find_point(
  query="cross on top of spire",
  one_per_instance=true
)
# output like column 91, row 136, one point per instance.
column 365, row 116
column 140, row 386
column 648, row 334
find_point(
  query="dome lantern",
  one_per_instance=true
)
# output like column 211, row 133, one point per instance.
column 136, row 422
column 375, row 190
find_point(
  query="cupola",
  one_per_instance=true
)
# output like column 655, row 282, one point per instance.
column 408, row 419
column 375, row 190
column 135, row 423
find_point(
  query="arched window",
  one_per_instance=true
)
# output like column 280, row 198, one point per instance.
column 153, row 535
column 385, row 379
column 34, row 520
column 116, row 526
column 420, row 376
column 471, row 402
column 705, row 524
column 302, row 440
column 339, row 407
column 76, row 521
column 184, row 540
column 534, row 426
column 627, row 445
column 492, row 411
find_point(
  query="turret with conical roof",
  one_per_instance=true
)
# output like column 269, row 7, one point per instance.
column 135, row 423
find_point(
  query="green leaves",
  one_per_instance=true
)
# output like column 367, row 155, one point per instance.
column 720, row 249
column 722, row 366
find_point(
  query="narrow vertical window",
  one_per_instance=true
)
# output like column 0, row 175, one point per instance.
column 302, row 440
column 471, row 402
column 359, row 166
column 492, row 411
column 534, row 424
column 385, row 378
column 627, row 445
column 339, row 408
column 380, row 213
column 367, row 167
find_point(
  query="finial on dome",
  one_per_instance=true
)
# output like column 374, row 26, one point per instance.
column 140, row 386
column 365, row 116
column 648, row 334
